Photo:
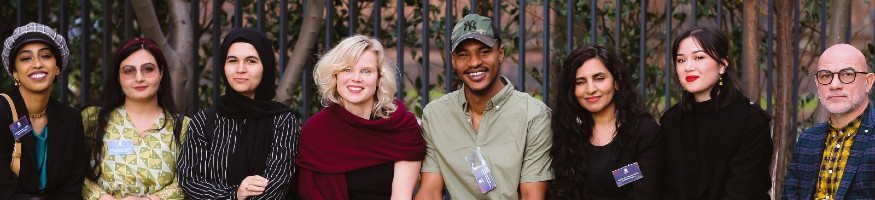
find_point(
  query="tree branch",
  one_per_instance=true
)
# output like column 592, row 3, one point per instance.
column 303, row 49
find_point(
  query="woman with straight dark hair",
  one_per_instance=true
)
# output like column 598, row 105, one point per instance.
column 718, row 141
column 246, row 145
column 42, row 146
column 599, row 128
column 134, row 134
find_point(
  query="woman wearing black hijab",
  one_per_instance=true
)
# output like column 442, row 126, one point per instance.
column 245, row 146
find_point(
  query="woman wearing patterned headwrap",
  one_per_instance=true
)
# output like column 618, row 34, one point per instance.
column 48, row 159
column 134, row 135
column 245, row 146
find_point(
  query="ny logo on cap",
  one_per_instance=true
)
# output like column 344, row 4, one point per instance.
column 470, row 25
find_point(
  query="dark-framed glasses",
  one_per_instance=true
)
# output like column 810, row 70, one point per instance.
column 846, row 76
column 148, row 71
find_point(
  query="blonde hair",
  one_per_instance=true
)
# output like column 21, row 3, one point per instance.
column 346, row 54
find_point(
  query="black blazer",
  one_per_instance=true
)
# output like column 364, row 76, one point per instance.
column 643, row 145
column 66, row 158
column 717, row 153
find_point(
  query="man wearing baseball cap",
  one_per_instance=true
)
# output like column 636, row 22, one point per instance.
column 486, row 140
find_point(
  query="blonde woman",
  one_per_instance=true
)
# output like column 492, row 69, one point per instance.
column 364, row 144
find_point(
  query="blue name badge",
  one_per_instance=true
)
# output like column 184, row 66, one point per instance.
column 20, row 128
column 481, row 171
column 120, row 147
column 629, row 173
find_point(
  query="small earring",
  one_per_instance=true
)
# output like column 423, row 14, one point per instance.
column 579, row 121
column 17, row 82
column 721, row 80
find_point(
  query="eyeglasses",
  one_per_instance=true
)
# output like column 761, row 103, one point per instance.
column 148, row 71
column 846, row 76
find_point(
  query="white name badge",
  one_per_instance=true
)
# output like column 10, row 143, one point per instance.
column 120, row 147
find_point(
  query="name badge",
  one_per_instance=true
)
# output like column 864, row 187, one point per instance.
column 481, row 171
column 20, row 128
column 120, row 147
column 629, row 173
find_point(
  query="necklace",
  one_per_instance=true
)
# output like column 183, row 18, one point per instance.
column 38, row 115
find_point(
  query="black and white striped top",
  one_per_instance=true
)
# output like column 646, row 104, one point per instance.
column 204, row 159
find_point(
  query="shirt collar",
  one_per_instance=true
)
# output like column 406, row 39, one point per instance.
column 853, row 125
column 497, row 101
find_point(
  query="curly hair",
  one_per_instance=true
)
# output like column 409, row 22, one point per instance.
column 346, row 53
column 572, row 124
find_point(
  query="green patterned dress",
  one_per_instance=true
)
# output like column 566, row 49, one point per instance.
column 150, row 170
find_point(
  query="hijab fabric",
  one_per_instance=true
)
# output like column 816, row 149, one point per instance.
column 255, row 137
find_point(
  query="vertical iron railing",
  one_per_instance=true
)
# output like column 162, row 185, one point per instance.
column 399, row 48
column 593, row 32
column 377, row 18
column 260, row 21
column 795, row 103
column 822, row 26
column 283, row 48
column 194, row 18
column 85, row 95
column 107, row 39
column 522, row 44
column 642, row 51
column 693, row 7
column 353, row 16
column 668, row 62
column 546, row 51
column 62, row 90
column 448, row 33
column 569, row 25
column 238, row 13
column 84, row 36
column 769, row 50
column 425, row 49
column 217, row 33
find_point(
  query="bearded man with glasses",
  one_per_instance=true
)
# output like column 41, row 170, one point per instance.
column 836, row 159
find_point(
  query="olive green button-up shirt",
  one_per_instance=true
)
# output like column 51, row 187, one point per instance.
column 514, row 139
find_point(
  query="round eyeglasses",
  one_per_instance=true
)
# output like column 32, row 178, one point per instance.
column 147, row 70
column 846, row 76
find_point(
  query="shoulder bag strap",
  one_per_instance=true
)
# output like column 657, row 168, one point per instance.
column 15, row 165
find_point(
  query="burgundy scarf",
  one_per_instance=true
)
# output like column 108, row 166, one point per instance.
column 334, row 142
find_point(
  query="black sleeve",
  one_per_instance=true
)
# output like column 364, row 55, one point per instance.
column 8, row 179
column 650, row 159
column 71, row 186
column 192, row 171
column 670, row 181
column 749, row 176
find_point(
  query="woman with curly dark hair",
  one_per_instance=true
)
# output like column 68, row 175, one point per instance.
column 605, row 145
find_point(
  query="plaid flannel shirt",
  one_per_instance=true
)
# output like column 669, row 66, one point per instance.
column 858, row 179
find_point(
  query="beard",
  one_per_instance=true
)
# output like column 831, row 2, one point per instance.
column 842, row 107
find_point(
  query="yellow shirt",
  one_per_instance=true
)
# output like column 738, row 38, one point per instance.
column 835, row 157
column 150, row 170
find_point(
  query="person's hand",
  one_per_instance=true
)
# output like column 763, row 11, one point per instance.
column 131, row 198
column 251, row 186
column 107, row 197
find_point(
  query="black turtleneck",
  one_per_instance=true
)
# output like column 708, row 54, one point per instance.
column 717, row 152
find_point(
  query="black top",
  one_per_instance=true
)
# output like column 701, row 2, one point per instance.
column 597, row 171
column 65, row 160
column 717, row 153
column 373, row 182
column 642, row 145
